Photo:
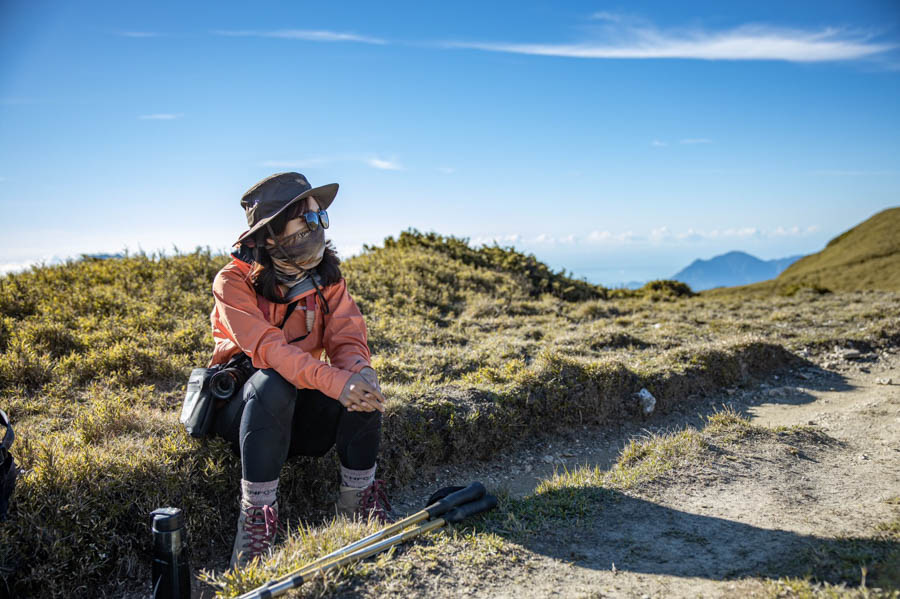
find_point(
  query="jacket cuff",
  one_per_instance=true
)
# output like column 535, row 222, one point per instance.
column 359, row 364
column 338, row 381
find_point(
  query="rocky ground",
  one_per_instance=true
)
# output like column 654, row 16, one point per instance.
column 707, row 531
column 716, row 528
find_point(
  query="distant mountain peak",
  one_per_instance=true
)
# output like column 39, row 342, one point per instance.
column 731, row 268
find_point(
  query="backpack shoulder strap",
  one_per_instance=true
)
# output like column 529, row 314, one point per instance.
column 290, row 309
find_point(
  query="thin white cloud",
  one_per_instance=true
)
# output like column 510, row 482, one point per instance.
column 747, row 42
column 385, row 165
column 139, row 34
column 322, row 161
column 658, row 144
column 611, row 238
column 305, row 35
column 696, row 140
column 609, row 17
column 297, row 164
column 852, row 173
column 447, row 170
column 162, row 116
column 8, row 267
column 741, row 233
column 12, row 267
column 660, row 234
column 786, row 231
column 510, row 239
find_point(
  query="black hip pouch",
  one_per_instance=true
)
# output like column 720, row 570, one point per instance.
column 199, row 404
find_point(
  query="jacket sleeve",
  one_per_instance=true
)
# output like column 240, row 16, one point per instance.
column 345, row 333
column 265, row 344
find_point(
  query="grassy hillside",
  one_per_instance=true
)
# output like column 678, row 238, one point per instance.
column 476, row 348
column 865, row 257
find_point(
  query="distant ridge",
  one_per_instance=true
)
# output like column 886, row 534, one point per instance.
column 867, row 257
column 733, row 268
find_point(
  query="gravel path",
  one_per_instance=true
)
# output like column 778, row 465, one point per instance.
column 704, row 530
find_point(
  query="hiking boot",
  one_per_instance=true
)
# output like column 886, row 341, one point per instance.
column 255, row 532
column 371, row 502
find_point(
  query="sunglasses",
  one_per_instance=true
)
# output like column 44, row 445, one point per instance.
column 313, row 219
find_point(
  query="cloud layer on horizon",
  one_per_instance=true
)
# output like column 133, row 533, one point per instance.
column 659, row 236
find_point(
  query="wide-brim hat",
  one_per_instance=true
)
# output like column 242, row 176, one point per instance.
column 273, row 195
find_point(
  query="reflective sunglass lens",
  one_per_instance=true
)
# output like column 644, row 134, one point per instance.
column 323, row 219
column 312, row 221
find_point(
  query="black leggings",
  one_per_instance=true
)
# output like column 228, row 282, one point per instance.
column 273, row 420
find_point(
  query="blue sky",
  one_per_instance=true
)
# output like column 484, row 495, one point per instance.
column 619, row 141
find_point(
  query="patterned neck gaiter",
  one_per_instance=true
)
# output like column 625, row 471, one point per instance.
column 297, row 254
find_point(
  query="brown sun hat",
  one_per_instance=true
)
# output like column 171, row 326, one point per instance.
column 271, row 196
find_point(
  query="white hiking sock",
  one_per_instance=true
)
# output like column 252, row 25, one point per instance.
column 259, row 493
column 357, row 479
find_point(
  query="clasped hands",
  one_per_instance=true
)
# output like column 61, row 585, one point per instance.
column 362, row 393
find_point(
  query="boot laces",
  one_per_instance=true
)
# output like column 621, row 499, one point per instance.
column 260, row 523
column 373, row 501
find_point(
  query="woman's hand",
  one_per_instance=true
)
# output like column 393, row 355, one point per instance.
column 359, row 395
column 369, row 374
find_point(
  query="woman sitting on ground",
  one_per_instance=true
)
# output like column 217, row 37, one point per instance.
column 282, row 301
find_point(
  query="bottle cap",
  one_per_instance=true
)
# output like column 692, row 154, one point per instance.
column 167, row 519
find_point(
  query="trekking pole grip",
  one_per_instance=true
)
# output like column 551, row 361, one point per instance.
column 488, row 502
column 463, row 496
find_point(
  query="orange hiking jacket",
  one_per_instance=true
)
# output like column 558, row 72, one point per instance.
column 244, row 321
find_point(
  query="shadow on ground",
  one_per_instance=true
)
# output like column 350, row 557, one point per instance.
column 597, row 528
column 790, row 386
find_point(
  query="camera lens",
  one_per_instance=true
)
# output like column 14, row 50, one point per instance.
column 223, row 384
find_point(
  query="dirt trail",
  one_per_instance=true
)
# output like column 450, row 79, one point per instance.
column 702, row 531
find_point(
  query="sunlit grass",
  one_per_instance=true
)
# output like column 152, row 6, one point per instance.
column 477, row 349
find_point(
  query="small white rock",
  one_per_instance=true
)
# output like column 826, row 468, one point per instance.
column 648, row 402
column 884, row 381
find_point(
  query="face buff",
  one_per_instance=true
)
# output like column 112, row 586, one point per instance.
column 293, row 256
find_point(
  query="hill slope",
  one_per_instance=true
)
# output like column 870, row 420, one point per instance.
column 476, row 349
column 867, row 257
column 733, row 268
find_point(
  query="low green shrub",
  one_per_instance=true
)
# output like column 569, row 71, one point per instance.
column 476, row 349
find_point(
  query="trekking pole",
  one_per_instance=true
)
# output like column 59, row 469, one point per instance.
column 465, row 495
column 474, row 491
column 291, row 581
column 445, row 504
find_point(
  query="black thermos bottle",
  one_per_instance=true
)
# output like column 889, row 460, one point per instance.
column 171, row 572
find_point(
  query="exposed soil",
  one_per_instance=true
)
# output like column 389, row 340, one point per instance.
column 705, row 531
column 710, row 530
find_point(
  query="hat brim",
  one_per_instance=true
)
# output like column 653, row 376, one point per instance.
column 325, row 195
